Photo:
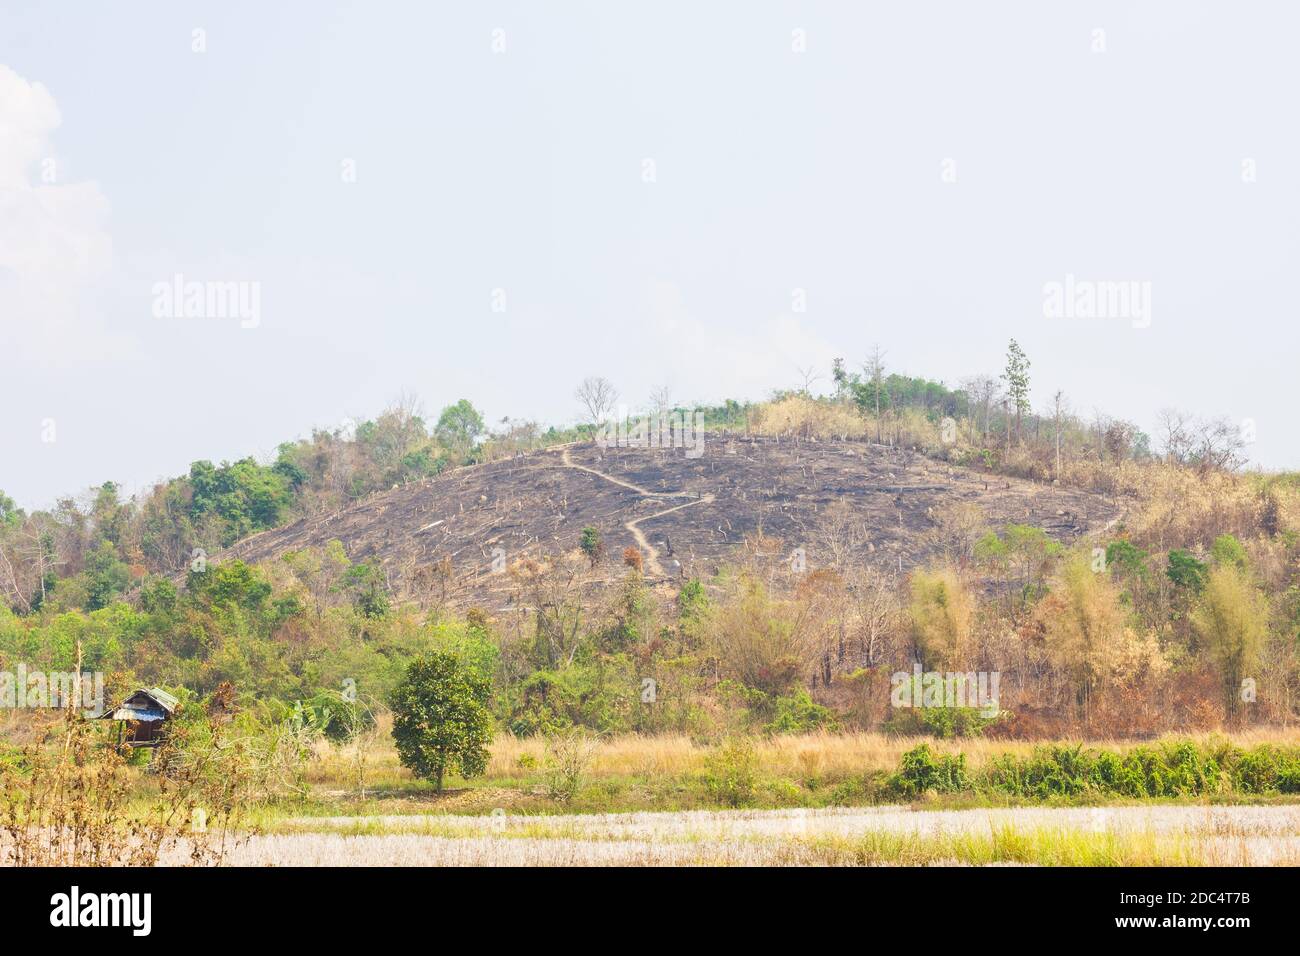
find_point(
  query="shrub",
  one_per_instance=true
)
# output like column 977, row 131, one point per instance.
column 591, row 544
column 67, row 801
column 568, row 754
column 940, row 721
column 799, row 714
column 731, row 773
column 921, row 770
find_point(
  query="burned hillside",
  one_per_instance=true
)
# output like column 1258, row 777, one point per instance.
column 820, row 502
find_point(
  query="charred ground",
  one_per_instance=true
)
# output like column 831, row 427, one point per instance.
column 687, row 516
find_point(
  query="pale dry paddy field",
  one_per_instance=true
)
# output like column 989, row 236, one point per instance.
column 1090, row 836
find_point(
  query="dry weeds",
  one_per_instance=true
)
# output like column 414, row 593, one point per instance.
column 1132, row 835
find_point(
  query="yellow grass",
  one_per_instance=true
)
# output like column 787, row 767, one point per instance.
column 828, row 755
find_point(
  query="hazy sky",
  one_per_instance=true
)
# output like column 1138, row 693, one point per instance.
column 792, row 146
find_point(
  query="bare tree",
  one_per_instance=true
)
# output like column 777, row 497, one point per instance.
column 981, row 391
column 15, row 586
column 598, row 397
column 552, row 589
column 876, row 610
column 661, row 400
column 1218, row 445
column 840, row 532
column 1176, row 434
column 406, row 408
column 1060, row 409
column 875, row 369
column 1100, row 423
column 955, row 529
column 808, row 376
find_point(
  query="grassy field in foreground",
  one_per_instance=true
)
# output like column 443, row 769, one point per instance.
column 672, row 773
column 1035, row 836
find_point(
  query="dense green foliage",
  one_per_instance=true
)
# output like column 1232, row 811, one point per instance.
column 1171, row 769
column 79, row 555
column 440, row 718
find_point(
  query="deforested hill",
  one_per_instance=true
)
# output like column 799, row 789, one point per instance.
column 822, row 502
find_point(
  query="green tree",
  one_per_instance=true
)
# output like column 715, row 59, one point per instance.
column 440, row 718
column 1185, row 570
column 1227, row 550
column 10, row 514
column 1017, row 378
column 591, row 544
column 106, row 577
column 1126, row 559
column 459, row 427
column 1029, row 548
column 233, row 584
column 246, row 496
column 369, row 590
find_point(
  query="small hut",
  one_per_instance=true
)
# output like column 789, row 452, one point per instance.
column 143, row 716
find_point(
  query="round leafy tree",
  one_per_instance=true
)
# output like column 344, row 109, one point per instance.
column 440, row 718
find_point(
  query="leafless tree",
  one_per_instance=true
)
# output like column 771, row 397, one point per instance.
column 840, row 533
column 957, row 526
column 14, row 584
column 552, row 589
column 808, row 376
column 1176, row 430
column 876, row 610
column 661, row 400
column 516, row 435
column 1119, row 438
column 1218, row 445
column 979, row 391
column 1060, row 409
column 1101, row 422
column 598, row 398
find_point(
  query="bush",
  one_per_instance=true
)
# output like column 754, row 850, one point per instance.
column 1175, row 769
column 731, row 773
column 568, row 753
column 946, row 723
column 339, row 718
column 799, row 714
column 921, row 770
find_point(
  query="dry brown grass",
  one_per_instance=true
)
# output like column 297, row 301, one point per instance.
column 830, row 755
column 826, row 754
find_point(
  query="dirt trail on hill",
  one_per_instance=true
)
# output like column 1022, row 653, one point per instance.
column 570, row 463
column 651, row 552
column 687, row 516
column 652, row 555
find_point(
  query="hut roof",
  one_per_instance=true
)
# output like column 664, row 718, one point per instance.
column 151, row 704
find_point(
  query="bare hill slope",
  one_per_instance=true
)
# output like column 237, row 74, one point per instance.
column 686, row 515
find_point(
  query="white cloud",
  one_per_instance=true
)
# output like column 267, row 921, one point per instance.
column 54, row 242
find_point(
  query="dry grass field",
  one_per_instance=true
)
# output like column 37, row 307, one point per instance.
column 794, row 756
column 1081, row 836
